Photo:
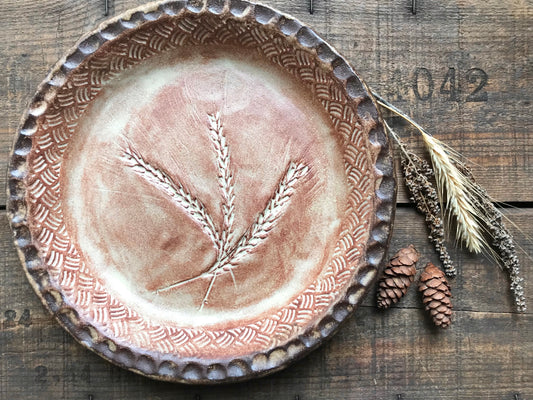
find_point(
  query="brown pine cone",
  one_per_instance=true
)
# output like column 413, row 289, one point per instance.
column 436, row 295
column 398, row 275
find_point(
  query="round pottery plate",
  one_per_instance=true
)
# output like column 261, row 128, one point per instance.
column 201, row 192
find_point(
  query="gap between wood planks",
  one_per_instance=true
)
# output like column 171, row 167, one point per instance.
column 455, row 310
column 504, row 205
column 508, row 205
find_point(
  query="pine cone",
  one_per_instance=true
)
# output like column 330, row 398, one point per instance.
column 436, row 295
column 398, row 275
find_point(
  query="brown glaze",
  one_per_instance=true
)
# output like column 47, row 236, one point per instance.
column 202, row 187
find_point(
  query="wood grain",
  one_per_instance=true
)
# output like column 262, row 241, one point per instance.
column 486, row 354
column 488, row 351
column 386, row 44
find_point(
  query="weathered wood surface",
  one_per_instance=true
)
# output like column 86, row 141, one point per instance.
column 410, row 59
column 486, row 354
column 393, row 50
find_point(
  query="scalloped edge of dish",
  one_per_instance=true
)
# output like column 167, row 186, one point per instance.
column 193, row 371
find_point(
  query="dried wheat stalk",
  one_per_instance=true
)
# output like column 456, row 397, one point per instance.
column 418, row 175
column 476, row 216
column 456, row 192
column 453, row 188
column 502, row 241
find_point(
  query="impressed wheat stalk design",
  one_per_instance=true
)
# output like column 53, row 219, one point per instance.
column 160, row 179
column 229, row 252
column 225, row 178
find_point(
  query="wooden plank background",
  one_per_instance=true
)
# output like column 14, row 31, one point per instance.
column 430, row 65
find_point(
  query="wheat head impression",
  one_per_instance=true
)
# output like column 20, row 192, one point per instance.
column 230, row 250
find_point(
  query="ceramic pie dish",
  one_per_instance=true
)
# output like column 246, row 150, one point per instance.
column 201, row 192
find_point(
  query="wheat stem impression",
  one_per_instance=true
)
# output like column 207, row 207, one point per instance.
column 230, row 249
column 192, row 206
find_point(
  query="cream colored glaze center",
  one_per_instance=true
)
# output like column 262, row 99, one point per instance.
column 204, row 190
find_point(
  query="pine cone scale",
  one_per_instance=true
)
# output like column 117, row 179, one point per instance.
column 435, row 284
column 439, row 296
